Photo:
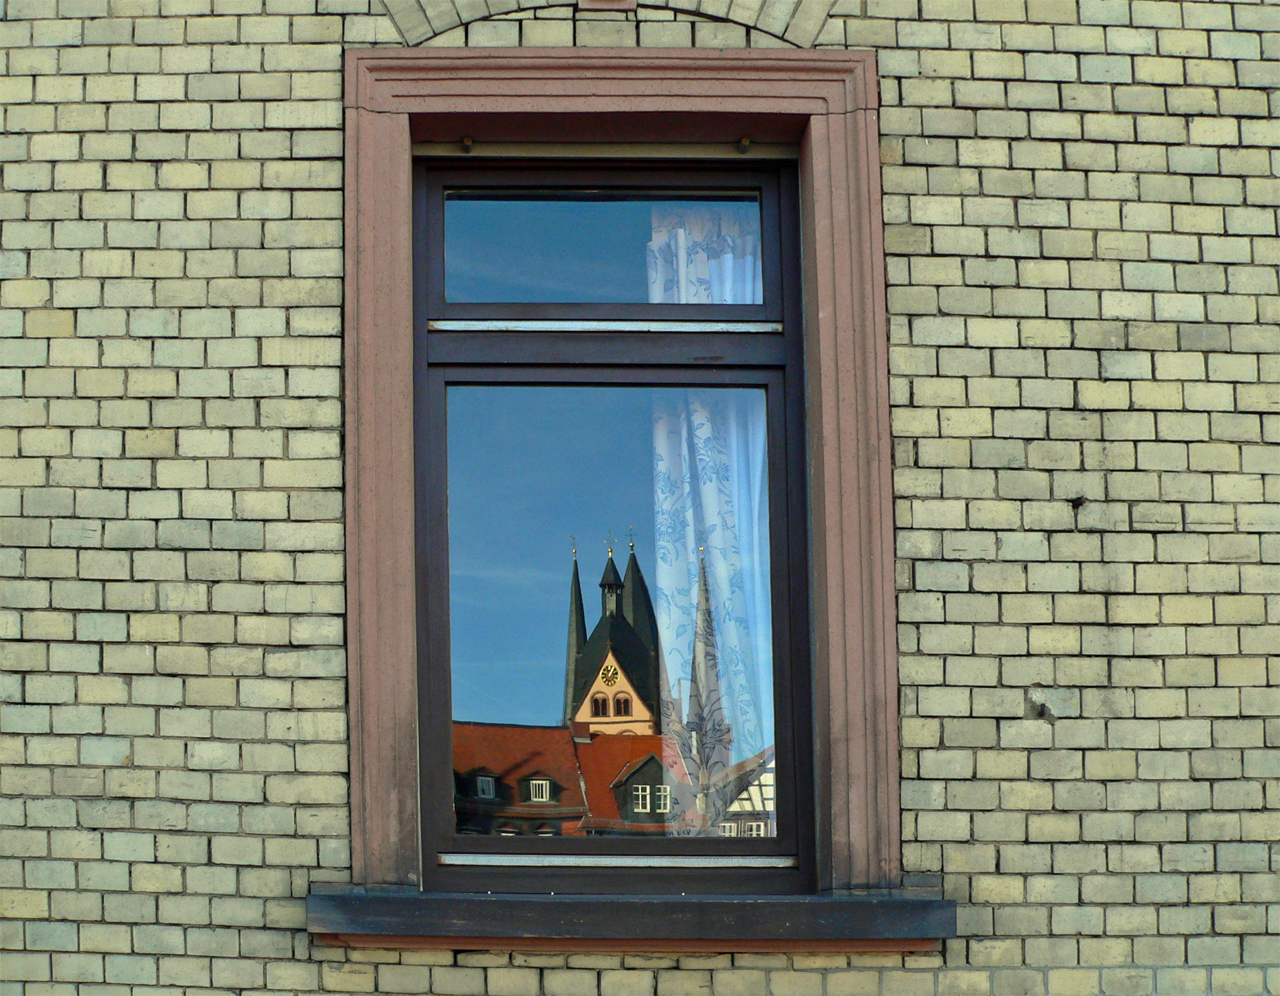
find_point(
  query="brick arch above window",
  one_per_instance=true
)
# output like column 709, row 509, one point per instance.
column 788, row 22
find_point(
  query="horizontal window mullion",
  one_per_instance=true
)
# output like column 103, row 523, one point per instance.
column 629, row 349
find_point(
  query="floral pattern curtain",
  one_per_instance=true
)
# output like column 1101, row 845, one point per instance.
column 712, row 536
column 705, row 254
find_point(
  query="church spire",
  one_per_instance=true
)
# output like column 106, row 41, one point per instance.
column 577, row 639
column 637, row 607
column 709, row 732
column 610, row 589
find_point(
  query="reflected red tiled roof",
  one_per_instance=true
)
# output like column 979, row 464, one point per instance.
column 609, row 757
column 512, row 753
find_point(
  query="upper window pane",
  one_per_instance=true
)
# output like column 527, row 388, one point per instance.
column 601, row 247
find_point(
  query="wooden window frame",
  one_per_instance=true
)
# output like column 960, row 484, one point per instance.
column 823, row 102
column 708, row 352
column 693, row 178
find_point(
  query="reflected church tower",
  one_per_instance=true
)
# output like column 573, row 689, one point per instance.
column 613, row 679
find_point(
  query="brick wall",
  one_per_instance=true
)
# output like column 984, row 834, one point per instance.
column 1081, row 209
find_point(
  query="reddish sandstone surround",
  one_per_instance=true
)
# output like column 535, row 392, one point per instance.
column 826, row 101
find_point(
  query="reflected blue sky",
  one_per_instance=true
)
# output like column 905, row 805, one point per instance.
column 528, row 467
column 551, row 250
column 544, row 250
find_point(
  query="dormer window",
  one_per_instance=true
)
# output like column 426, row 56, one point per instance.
column 485, row 787
column 599, row 706
column 640, row 798
column 662, row 799
column 540, row 790
column 622, row 705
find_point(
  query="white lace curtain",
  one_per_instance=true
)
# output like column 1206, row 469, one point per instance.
column 705, row 254
column 710, row 500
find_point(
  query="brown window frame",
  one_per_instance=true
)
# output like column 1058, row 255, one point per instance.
column 688, row 177
column 702, row 352
column 824, row 102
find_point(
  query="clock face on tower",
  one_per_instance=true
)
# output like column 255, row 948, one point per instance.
column 609, row 674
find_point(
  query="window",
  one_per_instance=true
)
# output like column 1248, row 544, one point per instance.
column 396, row 99
column 728, row 829
column 485, row 788
column 755, row 828
column 540, row 790
column 662, row 799
column 656, row 315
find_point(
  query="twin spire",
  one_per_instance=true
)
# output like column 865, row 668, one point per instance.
column 627, row 634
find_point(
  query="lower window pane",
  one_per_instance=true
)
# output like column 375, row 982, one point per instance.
column 654, row 717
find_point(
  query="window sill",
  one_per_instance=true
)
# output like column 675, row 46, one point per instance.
column 393, row 917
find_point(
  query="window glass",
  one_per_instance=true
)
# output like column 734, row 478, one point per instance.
column 663, row 689
column 601, row 247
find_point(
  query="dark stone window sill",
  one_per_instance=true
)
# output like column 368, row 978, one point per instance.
column 897, row 919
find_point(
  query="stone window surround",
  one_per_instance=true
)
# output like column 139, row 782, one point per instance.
column 826, row 102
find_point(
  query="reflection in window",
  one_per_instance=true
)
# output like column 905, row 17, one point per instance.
column 601, row 247
column 705, row 254
column 728, row 829
column 662, row 703
column 485, row 787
